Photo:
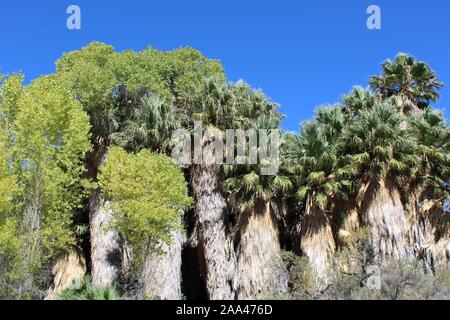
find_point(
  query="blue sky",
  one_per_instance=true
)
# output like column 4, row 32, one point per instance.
column 301, row 53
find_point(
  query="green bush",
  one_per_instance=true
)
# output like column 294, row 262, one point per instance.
column 84, row 290
column 148, row 193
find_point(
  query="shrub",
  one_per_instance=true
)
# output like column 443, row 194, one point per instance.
column 84, row 290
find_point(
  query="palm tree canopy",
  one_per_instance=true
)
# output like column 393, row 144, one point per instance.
column 313, row 156
column 413, row 80
column 432, row 134
column 378, row 144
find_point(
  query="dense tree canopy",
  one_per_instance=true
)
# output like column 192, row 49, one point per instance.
column 99, row 77
column 121, row 108
column 44, row 136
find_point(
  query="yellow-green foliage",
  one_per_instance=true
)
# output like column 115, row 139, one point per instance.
column 148, row 193
column 94, row 72
column 9, row 242
column 51, row 136
column 44, row 134
column 7, row 179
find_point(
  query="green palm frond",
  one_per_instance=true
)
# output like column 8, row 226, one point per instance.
column 250, row 181
column 408, row 78
column 316, row 177
column 282, row 184
column 331, row 187
column 321, row 199
column 84, row 290
column 303, row 191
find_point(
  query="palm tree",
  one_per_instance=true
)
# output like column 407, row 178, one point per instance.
column 259, row 271
column 359, row 99
column 411, row 80
column 385, row 155
column 210, row 209
column 161, row 272
column 432, row 133
column 222, row 106
column 149, row 124
column 320, row 176
column 424, row 196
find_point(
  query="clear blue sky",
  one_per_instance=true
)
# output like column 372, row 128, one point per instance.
column 301, row 53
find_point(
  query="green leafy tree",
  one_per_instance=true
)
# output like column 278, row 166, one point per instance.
column 148, row 194
column 44, row 135
column 10, row 241
column 129, row 97
column 51, row 138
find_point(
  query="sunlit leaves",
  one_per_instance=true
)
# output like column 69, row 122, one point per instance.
column 51, row 138
column 96, row 75
column 148, row 193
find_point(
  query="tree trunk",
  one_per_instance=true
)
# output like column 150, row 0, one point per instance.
column 32, row 221
column 436, row 256
column 347, row 220
column 429, row 229
column 211, row 216
column 316, row 240
column 66, row 271
column 162, row 272
column 106, row 253
column 260, row 273
column 383, row 211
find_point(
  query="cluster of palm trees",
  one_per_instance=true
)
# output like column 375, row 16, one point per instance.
column 372, row 160
column 377, row 160
column 135, row 113
column 375, row 157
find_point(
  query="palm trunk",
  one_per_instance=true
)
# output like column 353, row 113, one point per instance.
column 66, row 271
column 383, row 211
column 348, row 221
column 106, row 255
column 162, row 272
column 429, row 229
column 211, row 215
column 317, row 241
column 259, row 271
column 422, row 231
column 436, row 256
